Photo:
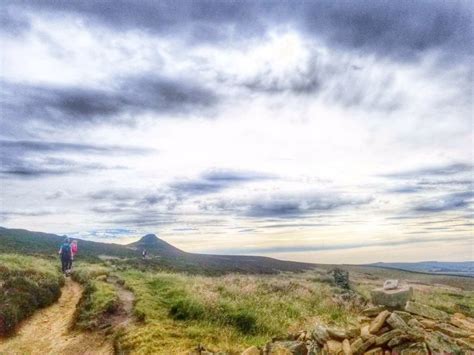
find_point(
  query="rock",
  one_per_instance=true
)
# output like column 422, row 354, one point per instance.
column 441, row 343
column 378, row 322
column 396, row 322
column 290, row 347
column 364, row 332
column 356, row 346
column 346, row 347
column 383, row 330
column 375, row 351
column 334, row 347
column 313, row 348
column 398, row 340
column 428, row 324
column 341, row 278
column 461, row 321
column 390, row 284
column 320, row 334
column 426, row 311
column 465, row 343
column 372, row 311
column 394, row 299
column 302, row 336
column 384, row 338
column 352, row 332
column 336, row 333
column 416, row 349
column 368, row 343
column 404, row 315
column 452, row 331
column 253, row 350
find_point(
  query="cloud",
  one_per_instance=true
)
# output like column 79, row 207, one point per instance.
column 76, row 105
column 433, row 171
column 449, row 202
column 34, row 159
column 401, row 30
column 216, row 180
column 285, row 205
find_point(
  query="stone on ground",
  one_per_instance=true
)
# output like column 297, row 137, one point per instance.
column 287, row 347
column 375, row 351
column 253, row 350
column 426, row 311
column 384, row 338
column 460, row 320
column 320, row 334
column 334, row 347
column 416, row 349
column 372, row 311
column 378, row 322
column 452, row 331
column 395, row 299
column 390, row 284
column 346, row 347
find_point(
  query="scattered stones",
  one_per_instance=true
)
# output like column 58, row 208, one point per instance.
column 376, row 351
column 253, row 350
column 334, row 347
column 287, row 347
column 426, row 311
column 428, row 323
column 372, row 311
column 378, row 322
column 390, row 285
column 385, row 338
column 416, row 349
column 398, row 340
column 346, row 347
column 320, row 334
column 441, row 343
column 394, row 299
column 452, row 331
column 460, row 320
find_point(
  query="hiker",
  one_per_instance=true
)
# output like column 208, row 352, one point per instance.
column 144, row 253
column 65, row 252
column 73, row 252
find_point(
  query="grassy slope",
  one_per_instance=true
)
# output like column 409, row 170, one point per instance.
column 228, row 312
column 26, row 284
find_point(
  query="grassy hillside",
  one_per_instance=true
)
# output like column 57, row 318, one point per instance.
column 26, row 284
column 435, row 267
column 161, row 255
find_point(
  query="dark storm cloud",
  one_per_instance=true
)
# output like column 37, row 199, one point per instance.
column 74, row 105
column 284, row 206
column 216, row 180
column 449, row 202
column 401, row 29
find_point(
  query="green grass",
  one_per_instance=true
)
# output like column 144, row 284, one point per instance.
column 26, row 284
column 99, row 298
column 227, row 313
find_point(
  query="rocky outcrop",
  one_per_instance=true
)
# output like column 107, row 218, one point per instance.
column 398, row 332
column 392, row 298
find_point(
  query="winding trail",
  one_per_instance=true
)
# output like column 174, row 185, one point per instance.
column 47, row 331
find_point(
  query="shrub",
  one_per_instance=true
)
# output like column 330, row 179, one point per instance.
column 186, row 309
column 243, row 321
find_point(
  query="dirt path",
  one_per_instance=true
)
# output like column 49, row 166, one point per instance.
column 46, row 332
column 124, row 316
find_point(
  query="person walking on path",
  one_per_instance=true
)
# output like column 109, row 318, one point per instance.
column 65, row 252
column 73, row 253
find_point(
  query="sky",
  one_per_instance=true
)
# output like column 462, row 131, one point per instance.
column 319, row 131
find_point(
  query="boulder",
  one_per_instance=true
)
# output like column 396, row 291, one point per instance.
column 396, row 322
column 390, row 284
column 253, row 350
column 452, row 331
column 378, row 322
column 394, row 299
column 290, row 347
column 365, row 333
column 334, row 347
column 426, row 311
column 320, row 334
column 385, row 338
column 346, row 347
column 372, row 311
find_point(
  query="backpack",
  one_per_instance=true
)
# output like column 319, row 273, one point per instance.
column 66, row 249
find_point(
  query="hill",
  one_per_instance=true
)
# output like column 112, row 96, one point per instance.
column 465, row 268
column 161, row 254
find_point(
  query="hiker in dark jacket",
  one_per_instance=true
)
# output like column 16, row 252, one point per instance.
column 65, row 251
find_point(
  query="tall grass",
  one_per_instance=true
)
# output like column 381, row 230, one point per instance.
column 227, row 312
column 26, row 284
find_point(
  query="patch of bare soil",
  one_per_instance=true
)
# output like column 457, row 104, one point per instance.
column 48, row 330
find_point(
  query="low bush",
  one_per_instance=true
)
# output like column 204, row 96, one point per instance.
column 26, row 284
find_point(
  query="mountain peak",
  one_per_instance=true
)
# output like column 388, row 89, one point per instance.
column 149, row 239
